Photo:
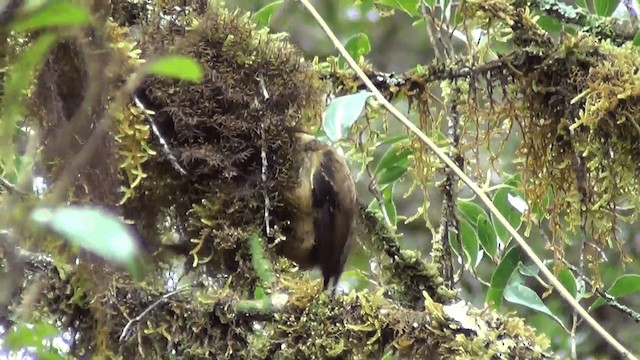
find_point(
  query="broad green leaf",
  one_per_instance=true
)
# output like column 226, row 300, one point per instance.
column 470, row 210
column 17, row 80
column 24, row 335
column 567, row 280
column 391, row 174
column 530, row 270
column 517, row 293
column 624, row 285
column 52, row 13
column 469, row 241
column 177, row 67
column 582, row 4
column 501, row 276
column 408, row 6
column 501, row 200
column 636, row 39
column 394, row 156
column 358, row 45
column 341, row 113
column 95, row 230
column 262, row 17
column 606, row 8
column 487, row 235
column 549, row 23
column 390, row 140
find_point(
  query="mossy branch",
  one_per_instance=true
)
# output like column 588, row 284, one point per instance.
column 261, row 264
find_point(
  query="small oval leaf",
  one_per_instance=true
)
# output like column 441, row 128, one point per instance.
column 358, row 45
column 52, row 13
column 408, row 6
column 262, row 17
column 177, row 67
column 624, row 285
column 93, row 229
column 341, row 113
column 567, row 280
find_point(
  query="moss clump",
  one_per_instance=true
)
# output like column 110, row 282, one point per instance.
column 257, row 89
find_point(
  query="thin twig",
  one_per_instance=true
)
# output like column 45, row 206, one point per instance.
column 11, row 188
column 481, row 195
column 165, row 147
column 608, row 298
column 265, row 164
column 125, row 331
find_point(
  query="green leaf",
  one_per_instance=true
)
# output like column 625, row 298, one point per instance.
column 341, row 113
column 391, row 174
column 501, row 276
column 259, row 293
column 517, row 293
column 549, row 23
column 636, row 39
column 23, row 335
column 408, row 6
column 388, row 355
column 95, row 230
column 502, row 202
column 606, row 8
column 50, row 355
column 530, row 270
column 487, row 236
column 624, row 285
column 177, row 67
column 262, row 17
column 393, row 164
column 52, row 13
column 390, row 140
column 358, row 45
column 582, row 4
column 389, row 204
column 469, row 241
column 567, row 280
column 17, row 81
column 470, row 210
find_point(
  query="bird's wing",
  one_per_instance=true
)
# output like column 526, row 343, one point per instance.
column 333, row 204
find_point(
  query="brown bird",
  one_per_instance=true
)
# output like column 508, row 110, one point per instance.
column 323, row 208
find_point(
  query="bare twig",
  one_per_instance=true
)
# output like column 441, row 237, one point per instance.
column 608, row 298
column 125, row 330
column 265, row 164
column 163, row 142
column 472, row 185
